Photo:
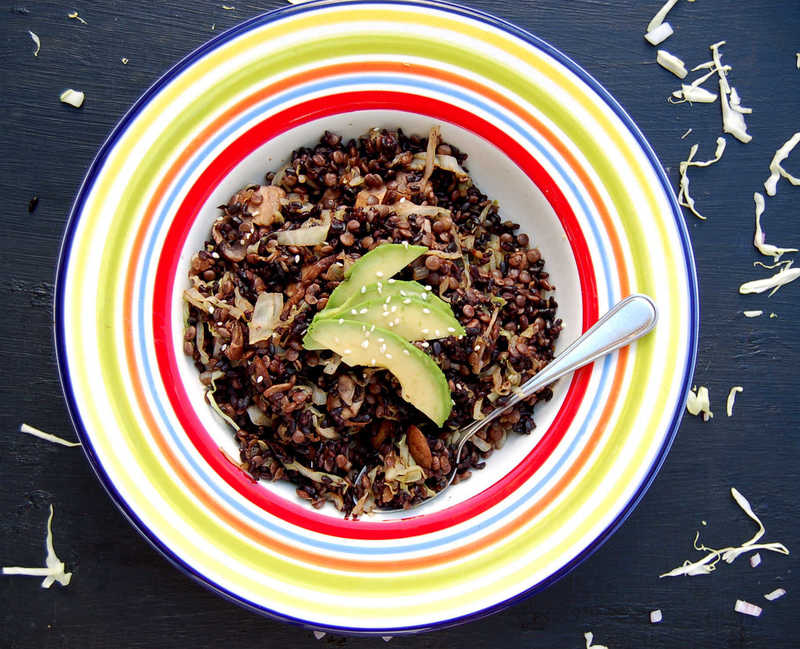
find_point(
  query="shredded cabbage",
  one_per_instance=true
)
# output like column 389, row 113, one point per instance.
column 309, row 234
column 266, row 315
column 316, row 476
column 672, row 63
column 752, row 314
column 708, row 563
column 731, row 398
column 783, row 276
column 37, row 42
column 54, row 567
column 658, row 19
column 776, row 169
column 732, row 113
column 73, row 97
column 684, row 198
column 775, row 594
column 30, row 430
column 697, row 402
column 659, row 34
column 747, row 608
column 765, row 249
column 589, row 637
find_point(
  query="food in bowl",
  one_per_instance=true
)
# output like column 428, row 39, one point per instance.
column 351, row 315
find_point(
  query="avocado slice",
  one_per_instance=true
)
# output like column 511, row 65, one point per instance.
column 409, row 317
column 377, row 265
column 388, row 288
column 423, row 383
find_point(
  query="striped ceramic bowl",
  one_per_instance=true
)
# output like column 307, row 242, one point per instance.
column 545, row 139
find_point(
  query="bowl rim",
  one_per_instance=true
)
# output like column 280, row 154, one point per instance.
column 119, row 130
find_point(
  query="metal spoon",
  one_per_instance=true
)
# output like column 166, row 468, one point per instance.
column 627, row 321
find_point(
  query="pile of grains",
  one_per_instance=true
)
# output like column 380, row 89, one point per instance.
column 305, row 417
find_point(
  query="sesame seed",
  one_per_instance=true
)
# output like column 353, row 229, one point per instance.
column 426, row 310
column 380, row 288
column 403, row 293
column 381, row 340
column 372, row 362
column 406, row 352
column 391, row 281
column 383, row 349
column 393, row 309
column 259, row 379
column 397, row 321
column 388, row 356
column 210, row 308
column 424, row 296
column 392, row 324
column 341, row 321
column 426, row 331
column 385, row 314
column 428, row 287
column 451, row 330
column 219, row 324
column 365, row 344
column 296, row 258
column 461, row 337
column 224, row 347
column 437, row 332
column 353, row 311
column 407, row 300
column 388, row 299
column 405, row 244
column 372, row 328
column 215, row 255
column 347, row 352
column 424, row 344
column 477, row 348
column 364, row 310
column 364, row 288
column 379, row 273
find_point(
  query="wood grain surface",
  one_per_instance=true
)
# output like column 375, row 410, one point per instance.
column 125, row 595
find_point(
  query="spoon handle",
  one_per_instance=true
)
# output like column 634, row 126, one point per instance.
column 627, row 320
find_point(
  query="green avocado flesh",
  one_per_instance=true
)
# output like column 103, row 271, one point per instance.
column 389, row 288
column 423, row 383
column 377, row 265
column 408, row 317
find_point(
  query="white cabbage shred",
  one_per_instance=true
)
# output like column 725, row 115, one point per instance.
column 693, row 94
column 36, row 41
column 672, row 63
column 698, row 402
column 755, row 560
column 73, row 97
column 684, row 198
column 766, row 249
column 589, row 637
column 747, row 608
column 658, row 19
column 753, row 314
column 782, row 277
column 708, row 563
column 266, row 316
column 30, row 430
column 54, row 567
column 732, row 111
column 659, row 34
column 776, row 170
column 731, row 398
column 775, row 594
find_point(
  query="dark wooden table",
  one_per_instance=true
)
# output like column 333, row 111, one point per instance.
column 126, row 595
